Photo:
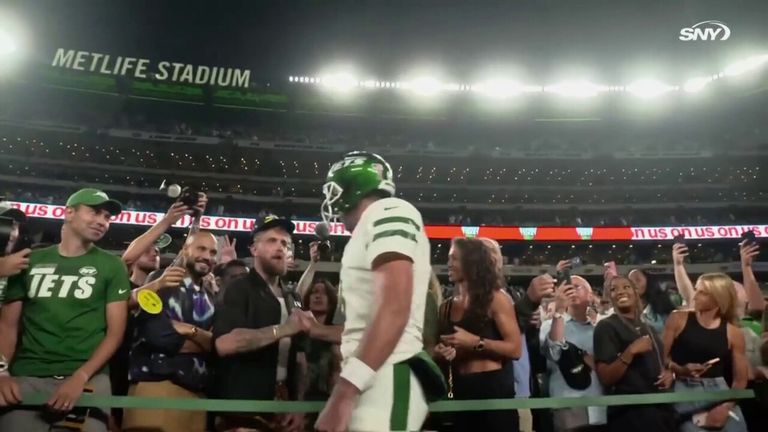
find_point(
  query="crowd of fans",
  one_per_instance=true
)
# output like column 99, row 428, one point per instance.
column 231, row 206
column 533, row 253
column 483, row 170
column 211, row 337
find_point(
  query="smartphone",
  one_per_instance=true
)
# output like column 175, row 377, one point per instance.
column 610, row 269
column 565, row 275
column 749, row 237
column 679, row 239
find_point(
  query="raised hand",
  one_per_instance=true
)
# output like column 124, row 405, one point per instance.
column 679, row 252
column 227, row 252
column 540, row 287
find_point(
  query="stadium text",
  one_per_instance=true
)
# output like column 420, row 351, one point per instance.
column 144, row 69
column 225, row 223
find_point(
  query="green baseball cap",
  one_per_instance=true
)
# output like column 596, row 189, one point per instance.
column 95, row 198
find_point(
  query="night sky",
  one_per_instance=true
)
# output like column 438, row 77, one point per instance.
column 537, row 39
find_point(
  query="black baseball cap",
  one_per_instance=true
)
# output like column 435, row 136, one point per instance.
column 576, row 372
column 271, row 221
column 7, row 211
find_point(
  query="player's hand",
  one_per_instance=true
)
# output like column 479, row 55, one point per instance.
column 68, row 392
column 9, row 391
column 172, row 277
column 337, row 413
column 13, row 264
column 679, row 252
column 540, row 287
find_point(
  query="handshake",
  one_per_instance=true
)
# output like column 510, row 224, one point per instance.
column 300, row 321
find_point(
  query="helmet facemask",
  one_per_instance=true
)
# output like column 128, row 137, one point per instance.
column 332, row 192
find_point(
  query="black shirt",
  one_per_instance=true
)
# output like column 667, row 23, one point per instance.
column 249, row 303
column 696, row 344
column 612, row 337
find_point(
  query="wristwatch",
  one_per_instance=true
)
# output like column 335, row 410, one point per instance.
column 480, row 345
column 557, row 315
column 194, row 331
column 3, row 364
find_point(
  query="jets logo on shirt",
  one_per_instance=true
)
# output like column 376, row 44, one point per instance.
column 46, row 283
column 88, row 271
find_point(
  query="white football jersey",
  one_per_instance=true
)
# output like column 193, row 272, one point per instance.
column 387, row 225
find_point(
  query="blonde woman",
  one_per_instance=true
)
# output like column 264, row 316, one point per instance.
column 706, row 351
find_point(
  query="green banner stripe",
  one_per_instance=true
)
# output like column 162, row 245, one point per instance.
column 223, row 405
column 393, row 233
column 582, row 401
column 397, row 219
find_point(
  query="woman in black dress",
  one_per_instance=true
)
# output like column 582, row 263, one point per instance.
column 628, row 360
column 479, row 334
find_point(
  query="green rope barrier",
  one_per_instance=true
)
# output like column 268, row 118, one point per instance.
column 224, row 405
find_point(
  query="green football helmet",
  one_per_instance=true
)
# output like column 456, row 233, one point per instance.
column 352, row 179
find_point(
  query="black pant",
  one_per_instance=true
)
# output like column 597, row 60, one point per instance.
column 641, row 418
column 485, row 385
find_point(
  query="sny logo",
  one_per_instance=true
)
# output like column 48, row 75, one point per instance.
column 711, row 30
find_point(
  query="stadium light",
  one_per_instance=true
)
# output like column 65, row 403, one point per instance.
column 695, row 85
column 499, row 89
column 746, row 65
column 576, row 89
column 341, row 82
column 7, row 43
column 425, row 86
column 648, row 88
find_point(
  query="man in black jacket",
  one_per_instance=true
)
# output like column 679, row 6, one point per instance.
column 255, row 332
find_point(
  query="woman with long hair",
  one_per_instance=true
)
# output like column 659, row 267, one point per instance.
column 431, row 332
column 321, row 299
column 479, row 335
column 656, row 303
column 629, row 360
column 706, row 349
column 323, row 357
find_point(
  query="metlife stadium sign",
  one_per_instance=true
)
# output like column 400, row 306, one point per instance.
column 143, row 68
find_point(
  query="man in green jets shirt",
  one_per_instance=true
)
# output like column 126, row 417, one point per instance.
column 69, row 310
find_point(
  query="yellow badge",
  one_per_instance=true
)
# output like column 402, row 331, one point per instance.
column 149, row 301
